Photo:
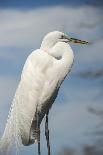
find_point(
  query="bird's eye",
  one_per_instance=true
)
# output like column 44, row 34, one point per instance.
column 62, row 36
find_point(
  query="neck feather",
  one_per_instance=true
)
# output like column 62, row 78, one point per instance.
column 61, row 50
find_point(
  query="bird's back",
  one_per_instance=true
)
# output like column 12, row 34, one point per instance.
column 45, row 80
column 39, row 80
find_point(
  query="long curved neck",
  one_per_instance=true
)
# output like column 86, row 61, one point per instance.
column 47, row 44
column 60, row 51
column 63, row 52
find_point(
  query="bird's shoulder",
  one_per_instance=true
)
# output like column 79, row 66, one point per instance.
column 37, row 67
column 38, row 55
column 39, row 60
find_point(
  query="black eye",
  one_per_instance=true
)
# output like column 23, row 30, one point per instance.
column 62, row 36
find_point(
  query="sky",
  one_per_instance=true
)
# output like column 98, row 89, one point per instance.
column 23, row 24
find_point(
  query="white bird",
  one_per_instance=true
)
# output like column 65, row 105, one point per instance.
column 42, row 75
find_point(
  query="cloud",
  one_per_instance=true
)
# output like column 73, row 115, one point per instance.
column 27, row 27
column 93, row 57
column 21, row 31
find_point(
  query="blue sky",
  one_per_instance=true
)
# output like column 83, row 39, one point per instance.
column 40, row 3
column 22, row 27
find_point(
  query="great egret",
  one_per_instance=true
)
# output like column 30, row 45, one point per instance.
column 43, row 73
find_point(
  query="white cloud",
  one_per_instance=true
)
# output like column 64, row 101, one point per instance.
column 92, row 55
column 24, row 29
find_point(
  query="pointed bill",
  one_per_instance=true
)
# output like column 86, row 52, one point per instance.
column 74, row 40
column 77, row 41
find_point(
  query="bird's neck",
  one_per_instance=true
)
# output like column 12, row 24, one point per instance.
column 64, row 54
column 47, row 45
column 62, row 51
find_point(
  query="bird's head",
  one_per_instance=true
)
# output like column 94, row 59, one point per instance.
column 56, row 36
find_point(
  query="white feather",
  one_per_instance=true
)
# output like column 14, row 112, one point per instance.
column 41, row 74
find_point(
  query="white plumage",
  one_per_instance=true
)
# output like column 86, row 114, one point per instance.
column 42, row 75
